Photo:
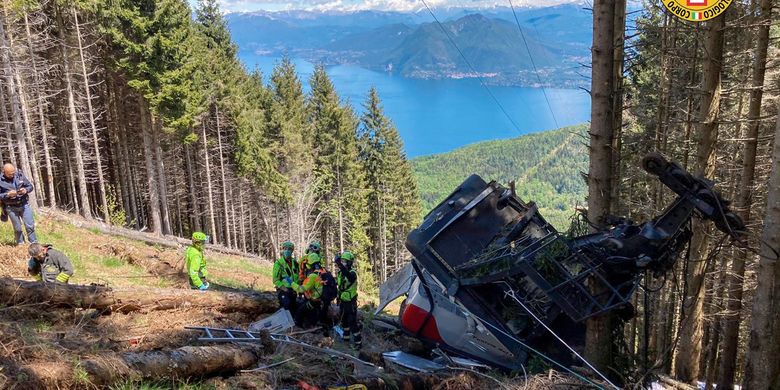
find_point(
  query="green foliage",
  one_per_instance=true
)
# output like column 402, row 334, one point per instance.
column 547, row 168
column 393, row 200
column 112, row 262
column 80, row 375
column 116, row 213
column 339, row 174
column 155, row 45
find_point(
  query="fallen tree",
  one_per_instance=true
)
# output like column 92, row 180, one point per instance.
column 125, row 300
column 177, row 364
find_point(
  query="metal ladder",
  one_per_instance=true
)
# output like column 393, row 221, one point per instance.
column 220, row 335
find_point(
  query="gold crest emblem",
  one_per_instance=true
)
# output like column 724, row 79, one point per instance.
column 697, row 10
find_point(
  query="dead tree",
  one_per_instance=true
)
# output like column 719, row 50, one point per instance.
column 91, row 114
column 78, row 155
column 14, row 93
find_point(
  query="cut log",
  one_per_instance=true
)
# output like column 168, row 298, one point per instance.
column 125, row 300
column 181, row 363
column 177, row 364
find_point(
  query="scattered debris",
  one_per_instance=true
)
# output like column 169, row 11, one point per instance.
column 279, row 322
column 413, row 362
column 219, row 335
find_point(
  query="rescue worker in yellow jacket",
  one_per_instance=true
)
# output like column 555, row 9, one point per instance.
column 347, row 282
column 196, row 262
column 285, row 278
column 311, row 287
column 48, row 265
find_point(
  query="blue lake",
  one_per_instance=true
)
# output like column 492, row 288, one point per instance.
column 435, row 116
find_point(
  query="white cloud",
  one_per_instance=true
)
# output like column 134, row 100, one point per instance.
column 381, row 5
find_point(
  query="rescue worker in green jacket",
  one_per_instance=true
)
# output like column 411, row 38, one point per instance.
column 285, row 278
column 347, row 282
column 48, row 265
column 314, row 247
column 311, row 287
column 196, row 262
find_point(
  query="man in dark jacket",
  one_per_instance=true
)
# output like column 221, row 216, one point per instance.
column 48, row 264
column 347, row 282
column 14, row 194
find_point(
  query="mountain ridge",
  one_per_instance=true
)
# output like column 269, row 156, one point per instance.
column 413, row 45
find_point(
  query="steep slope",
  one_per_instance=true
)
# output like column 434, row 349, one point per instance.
column 547, row 167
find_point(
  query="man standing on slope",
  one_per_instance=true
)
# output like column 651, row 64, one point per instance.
column 48, row 265
column 347, row 282
column 196, row 262
column 285, row 278
column 14, row 194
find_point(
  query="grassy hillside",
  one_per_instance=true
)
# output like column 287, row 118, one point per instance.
column 120, row 262
column 547, row 167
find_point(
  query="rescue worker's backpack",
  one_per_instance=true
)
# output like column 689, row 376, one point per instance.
column 329, row 288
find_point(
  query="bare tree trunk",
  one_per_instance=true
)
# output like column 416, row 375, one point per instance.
column 689, row 350
column 212, row 222
column 92, row 124
column 26, row 145
column 241, row 211
column 225, row 212
column 41, row 118
column 339, row 194
column 618, row 42
column 151, row 177
column 8, row 136
column 161, row 176
column 131, row 180
column 598, row 337
column 118, row 170
column 761, row 371
column 194, row 209
column 728, row 354
column 74, row 126
column 16, row 107
column 72, row 181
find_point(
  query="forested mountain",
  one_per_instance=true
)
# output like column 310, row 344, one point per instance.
column 490, row 45
column 136, row 113
column 413, row 45
column 547, row 168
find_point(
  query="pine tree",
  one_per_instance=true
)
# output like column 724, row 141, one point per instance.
column 393, row 199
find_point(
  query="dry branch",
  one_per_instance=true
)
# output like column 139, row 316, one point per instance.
column 125, row 300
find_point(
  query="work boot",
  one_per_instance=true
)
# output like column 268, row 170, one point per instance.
column 3, row 216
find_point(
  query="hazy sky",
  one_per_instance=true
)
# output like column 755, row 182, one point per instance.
column 385, row 5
